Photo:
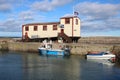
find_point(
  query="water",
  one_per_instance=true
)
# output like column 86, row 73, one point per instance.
column 30, row 66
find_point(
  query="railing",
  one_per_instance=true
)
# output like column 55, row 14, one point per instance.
column 64, row 36
column 25, row 38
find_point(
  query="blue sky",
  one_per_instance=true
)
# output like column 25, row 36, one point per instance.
column 98, row 17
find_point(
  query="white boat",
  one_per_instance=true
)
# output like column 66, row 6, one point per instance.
column 100, row 55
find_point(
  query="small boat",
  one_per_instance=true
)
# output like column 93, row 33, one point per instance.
column 100, row 55
column 47, row 49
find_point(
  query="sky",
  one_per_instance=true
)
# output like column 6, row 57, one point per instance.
column 98, row 17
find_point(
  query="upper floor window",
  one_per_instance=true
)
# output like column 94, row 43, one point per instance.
column 26, row 28
column 67, row 20
column 35, row 28
column 54, row 27
column 76, row 21
column 44, row 28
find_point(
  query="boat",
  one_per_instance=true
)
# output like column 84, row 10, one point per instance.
column 100, row 55
column 47, row 49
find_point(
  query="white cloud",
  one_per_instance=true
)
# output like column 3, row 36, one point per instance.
column 8, row 5
column 20, row 12
column 5, row 7
column 99, row 17
column 113, row 23
column 97, row 10
column 26, row 15
column 48, row 5
column 43, row 6
column 95, row 17
column 60, row 2
column 10, row 25
column 101, row 25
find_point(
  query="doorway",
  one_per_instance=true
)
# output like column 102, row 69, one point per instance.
column 62, row 30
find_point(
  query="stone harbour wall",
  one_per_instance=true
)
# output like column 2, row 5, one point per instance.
column 23, row 46
column 84, row 45
column 100, row 40
column 76, row 48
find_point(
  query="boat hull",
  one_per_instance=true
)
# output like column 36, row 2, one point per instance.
column 56, row 52
column 99, row 56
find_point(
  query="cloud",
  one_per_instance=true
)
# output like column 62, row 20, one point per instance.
column 60, row 2
column 47, row 5
column 95, row 17
column 8, row 5
column 113, row 23
column 26, row 15
column 10, row 25
column 98, row 11
column 101, row 26
column 5, row 7
column 42, row 6
column 14, row 22
column 99, row 16
column 20, row 13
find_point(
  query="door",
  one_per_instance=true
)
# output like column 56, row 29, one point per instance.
column 62, row 30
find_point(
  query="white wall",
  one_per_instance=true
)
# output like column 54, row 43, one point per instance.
column 68, row 27
column 41, row 34
column 53, row 33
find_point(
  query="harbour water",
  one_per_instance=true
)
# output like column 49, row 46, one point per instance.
column 31, row 66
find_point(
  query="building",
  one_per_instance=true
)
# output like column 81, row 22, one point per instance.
column 67, row 30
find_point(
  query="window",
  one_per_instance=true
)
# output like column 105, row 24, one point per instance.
column 76, row 21
column 26, row 28
column 54, row 27
column 44, row 28
column 35, row 28
column 67, row 20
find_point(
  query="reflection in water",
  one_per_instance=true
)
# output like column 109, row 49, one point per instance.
column 102, row 70
column 29, row 66
column 52, row 68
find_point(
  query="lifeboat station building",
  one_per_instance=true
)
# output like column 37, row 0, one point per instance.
column 67, row 30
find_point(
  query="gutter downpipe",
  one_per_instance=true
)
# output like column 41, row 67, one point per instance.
column 73, row 22
column 72, row 26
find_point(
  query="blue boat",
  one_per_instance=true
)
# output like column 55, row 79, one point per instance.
column 47, row 50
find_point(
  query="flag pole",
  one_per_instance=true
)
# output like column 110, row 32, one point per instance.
column 73, row 8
